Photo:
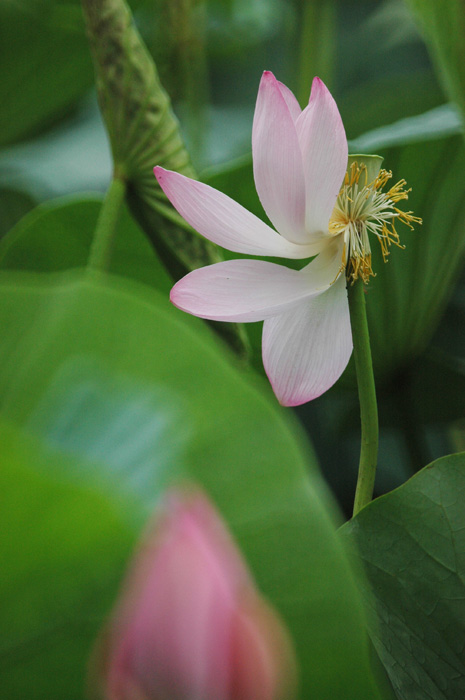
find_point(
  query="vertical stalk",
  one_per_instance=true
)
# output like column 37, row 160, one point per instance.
column 102, row 245
column 184, row 65
column 317, row 42
column 366, row 394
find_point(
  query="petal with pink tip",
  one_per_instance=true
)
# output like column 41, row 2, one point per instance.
column 277, row 161
column 306, row 349
column 190, row 624
column 171, row 634
column 323, row 143
column 291, row 101
column 225, row 222
column 250, row 290
column 191, row 607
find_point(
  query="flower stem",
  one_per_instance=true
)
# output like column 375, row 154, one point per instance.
column 102, row 245
column 366, row 395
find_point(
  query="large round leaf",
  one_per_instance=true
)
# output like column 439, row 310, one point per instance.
column 412, row 543
column 128, row 395
column 14, row 205
column 62, row 549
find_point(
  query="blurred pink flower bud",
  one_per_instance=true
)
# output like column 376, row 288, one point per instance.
column 191, row 624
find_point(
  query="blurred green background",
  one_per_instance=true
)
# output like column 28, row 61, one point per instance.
column 109, row 393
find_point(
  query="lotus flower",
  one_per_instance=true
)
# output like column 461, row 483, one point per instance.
column 300, row 163
column 191, row 625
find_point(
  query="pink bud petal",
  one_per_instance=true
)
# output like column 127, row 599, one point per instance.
column 261, row 651
column 190, row 624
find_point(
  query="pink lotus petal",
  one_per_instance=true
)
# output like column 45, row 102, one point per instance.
column 250, row 290
column 277, row 161
column 291, row 101
column 306, row 349
column 191, row 625
column 260, row 648
column 172, row 637
column 324, row 151
column 224, row 221
column 300, row 159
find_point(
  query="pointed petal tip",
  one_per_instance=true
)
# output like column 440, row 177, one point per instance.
column 268, row 79
column 223, row 221
column 318, row 88
column 175, row 294
column 298, row 398
column 269, row 85
column 158, row 171
column 293, row 400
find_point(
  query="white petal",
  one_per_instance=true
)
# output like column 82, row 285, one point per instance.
column 306, row 349
column 277, row 161
column 324, row 152
column 248, row 290
column 327, row 266
column 225, row 222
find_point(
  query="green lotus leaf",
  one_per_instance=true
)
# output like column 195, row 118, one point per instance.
column 412, row 545
column 113, row 395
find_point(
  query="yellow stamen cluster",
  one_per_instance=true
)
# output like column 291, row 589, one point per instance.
column 363, row 208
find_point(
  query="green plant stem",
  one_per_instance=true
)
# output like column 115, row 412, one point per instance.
column 184, row 65
column 366, row 395
column 317, row 42
column 102, row 245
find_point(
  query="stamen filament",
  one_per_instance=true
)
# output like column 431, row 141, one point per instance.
column 363, row 208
